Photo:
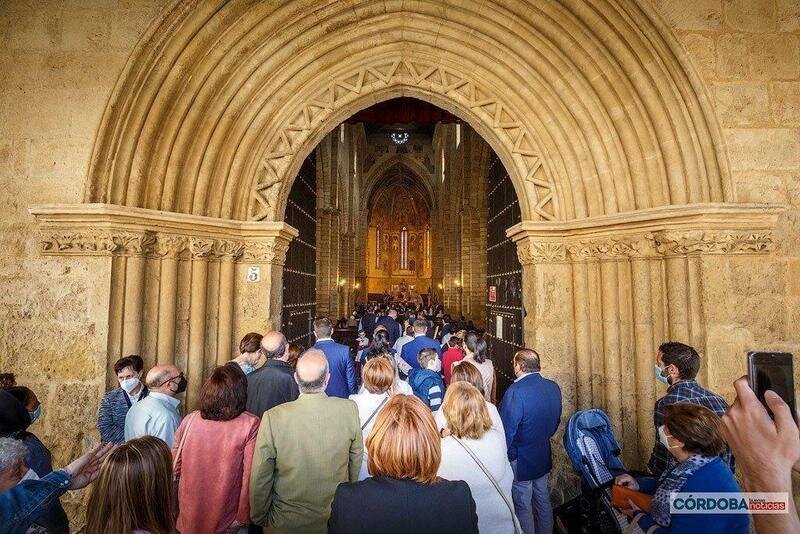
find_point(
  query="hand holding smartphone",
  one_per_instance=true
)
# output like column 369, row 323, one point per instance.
column 772, row 370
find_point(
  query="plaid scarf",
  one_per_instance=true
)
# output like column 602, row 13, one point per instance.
column 672, row 481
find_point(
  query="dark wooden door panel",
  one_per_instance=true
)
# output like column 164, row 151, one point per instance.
column 504, row 325
column 300, row 271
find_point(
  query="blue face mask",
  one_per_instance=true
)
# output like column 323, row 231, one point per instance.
column 660, row 376
column 36, row 414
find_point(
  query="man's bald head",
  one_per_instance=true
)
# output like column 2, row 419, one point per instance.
column 159, row 376
column 312, row 374
column 274, row 346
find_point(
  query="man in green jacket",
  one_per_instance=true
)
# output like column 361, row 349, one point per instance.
column 304, row 449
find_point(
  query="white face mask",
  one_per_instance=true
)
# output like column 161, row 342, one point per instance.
column 662, row 437
column 129, row 384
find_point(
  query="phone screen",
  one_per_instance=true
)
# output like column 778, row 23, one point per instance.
column 772, row 371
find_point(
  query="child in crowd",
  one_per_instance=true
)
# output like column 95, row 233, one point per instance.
column 427, row 382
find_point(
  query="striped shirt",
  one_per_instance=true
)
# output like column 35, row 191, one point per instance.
column 111, row 417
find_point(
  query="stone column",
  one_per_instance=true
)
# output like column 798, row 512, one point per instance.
column 258, row 302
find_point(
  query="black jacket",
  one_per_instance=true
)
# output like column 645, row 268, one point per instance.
column 389, row 505
column 269, row 386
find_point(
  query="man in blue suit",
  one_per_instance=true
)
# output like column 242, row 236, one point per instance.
column 367, row 323
column 389, row 322
column 421, row 341
column 531, row 413
column 340, row 365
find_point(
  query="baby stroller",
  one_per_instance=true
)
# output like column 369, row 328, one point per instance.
column 594, row 452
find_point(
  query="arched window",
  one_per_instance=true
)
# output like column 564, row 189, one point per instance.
column 404, row 248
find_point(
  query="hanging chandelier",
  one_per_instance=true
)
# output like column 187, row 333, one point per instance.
column 399, row 138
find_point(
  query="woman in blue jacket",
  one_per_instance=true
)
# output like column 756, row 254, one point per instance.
column 691, row 433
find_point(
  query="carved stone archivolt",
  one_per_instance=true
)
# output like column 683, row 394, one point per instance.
column 386, row 72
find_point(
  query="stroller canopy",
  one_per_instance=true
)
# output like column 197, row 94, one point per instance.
column 592, row 447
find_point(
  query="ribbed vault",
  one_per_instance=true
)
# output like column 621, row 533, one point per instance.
column 591, row 106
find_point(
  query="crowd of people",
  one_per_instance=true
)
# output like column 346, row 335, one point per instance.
column 295, row 439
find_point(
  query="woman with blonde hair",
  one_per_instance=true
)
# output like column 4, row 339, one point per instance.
column 404, row 452
column 466, row 372
column 134, row 490
column 477, row 454
column 378, row 376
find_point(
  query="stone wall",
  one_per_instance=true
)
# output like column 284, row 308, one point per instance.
column 60, row 64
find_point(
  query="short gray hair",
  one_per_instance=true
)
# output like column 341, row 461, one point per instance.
column 12, row 452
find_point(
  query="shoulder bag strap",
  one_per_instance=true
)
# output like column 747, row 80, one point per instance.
column 177, row 460
column 517, row 528
column 374, row 413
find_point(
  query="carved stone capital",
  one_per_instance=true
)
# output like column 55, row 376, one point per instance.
column 713, row 242
column 272, row 252
column 656, row 232
column 530, row 252
column 226, row 249
column 200, row 248
column 608, row 248
column 170, row 246
column 95, row 242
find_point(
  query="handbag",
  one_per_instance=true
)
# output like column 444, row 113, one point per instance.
column 374, row 413
column 517, row 528
column 620, row 495
column 176, row 461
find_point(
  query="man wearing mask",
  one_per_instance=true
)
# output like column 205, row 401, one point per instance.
column 157, row 414
column 677, row 366
column 115, row 404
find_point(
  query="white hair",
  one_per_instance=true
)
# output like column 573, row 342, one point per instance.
column 12, row 452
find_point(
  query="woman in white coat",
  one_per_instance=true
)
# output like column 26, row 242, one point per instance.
column 476, row 453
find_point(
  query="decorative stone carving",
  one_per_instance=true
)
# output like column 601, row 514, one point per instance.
column 530, row 252
column 272, row 252
column 398, row 70
column 713, row 242
column 226, row 249
column 96, row 242
column 605, row 249
column 201, row 248
column 170, row 246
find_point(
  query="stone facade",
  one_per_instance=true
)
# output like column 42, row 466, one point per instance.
column 597, row 109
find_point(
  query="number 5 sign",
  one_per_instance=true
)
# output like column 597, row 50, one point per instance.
column 254, row 274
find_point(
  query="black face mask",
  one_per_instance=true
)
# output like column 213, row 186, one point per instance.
column 181, row 385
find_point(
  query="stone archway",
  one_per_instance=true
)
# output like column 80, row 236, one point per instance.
column 606, row 132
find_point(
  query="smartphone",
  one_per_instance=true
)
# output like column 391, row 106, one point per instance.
column 772, row 370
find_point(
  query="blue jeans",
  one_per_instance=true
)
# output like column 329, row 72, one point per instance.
column 532, row 504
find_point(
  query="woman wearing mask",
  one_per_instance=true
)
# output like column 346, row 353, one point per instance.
column 134, row 490
column 18, row 406
column 115, row 404
column 691, row 433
